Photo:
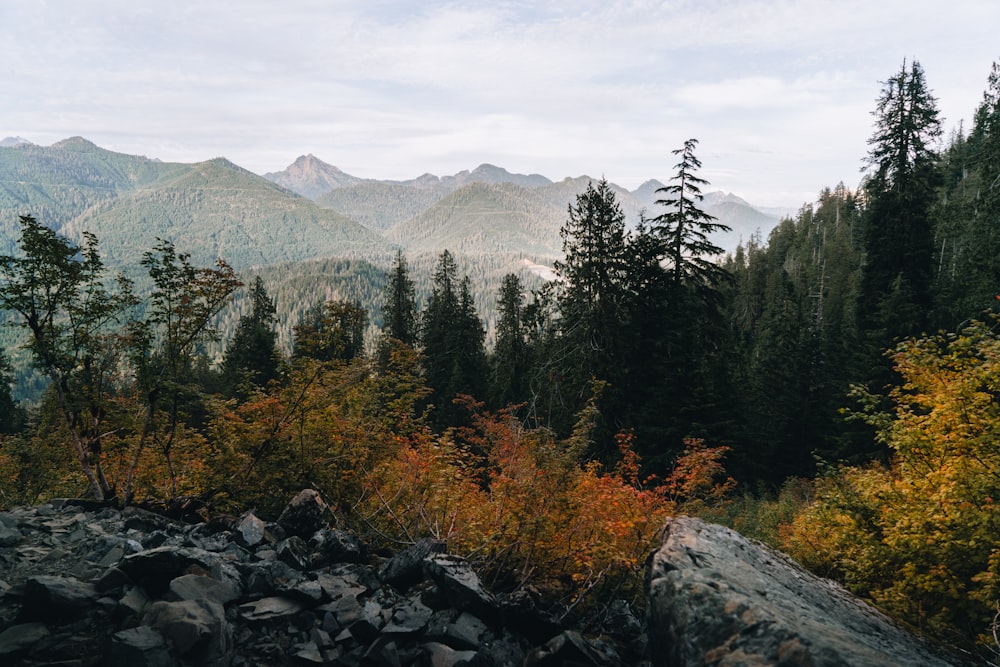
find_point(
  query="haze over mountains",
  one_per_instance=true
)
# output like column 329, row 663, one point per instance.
column 289, row 225
column 310, row 210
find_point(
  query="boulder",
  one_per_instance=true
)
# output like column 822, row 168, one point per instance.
column 196, row 630
column 49, row 597
column 305, row 514
column 717, row 598
column 139, row 647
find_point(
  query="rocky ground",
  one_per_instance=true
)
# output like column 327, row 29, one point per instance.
column 82, row 585
column 86, row 585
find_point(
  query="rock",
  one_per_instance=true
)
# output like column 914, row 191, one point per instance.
column 336, row 546
column 9, row 535
column 408, row 617
column 196, row 630
column 570, row 648
column 154, row 569
column 717, row 598
column 407, row 567
column 47, row 598
column 134, row 601
column 200, row 587
column 305, row 514
column 461, row 586
column 139, row 647
column 294, row 552
column 442, row 655
column 16, row 640
column 249, row 530
column 270, row 610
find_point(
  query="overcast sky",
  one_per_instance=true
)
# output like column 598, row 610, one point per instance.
column 778, row 92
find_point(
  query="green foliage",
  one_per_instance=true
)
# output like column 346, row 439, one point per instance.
column 399, row 309
column 252, row 358
column 58, row 293
column 903, row 172
column 452, row 340
column 509, row 361
column 11, row 416
column 794, row 342
column 331, row 331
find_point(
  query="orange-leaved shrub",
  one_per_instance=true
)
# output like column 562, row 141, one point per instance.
column 527, row 509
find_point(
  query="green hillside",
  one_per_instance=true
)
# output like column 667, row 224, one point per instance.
column 487, row 219
column 216, row 209
column 59, row 182
column 378, row 205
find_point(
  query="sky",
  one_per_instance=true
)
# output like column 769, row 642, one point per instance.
column 779, row 93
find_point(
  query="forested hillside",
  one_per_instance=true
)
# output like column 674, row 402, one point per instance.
column 833, row 389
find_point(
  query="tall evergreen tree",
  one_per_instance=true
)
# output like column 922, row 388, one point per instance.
column 592, row 299
column 684, row 228
column 508, row 365
column 252, row 355
column 452, row 338
column 399, row 309
column 674, row 312
column 902, row 173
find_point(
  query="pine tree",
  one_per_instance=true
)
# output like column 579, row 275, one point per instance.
column 452, row 339
column 508, row 365
column 684, row 228
column 252, row 356
column 899, row 189
column 591, row 302
column 399, row 309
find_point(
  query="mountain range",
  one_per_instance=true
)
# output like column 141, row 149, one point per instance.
column 309, row 210
column 290, row 224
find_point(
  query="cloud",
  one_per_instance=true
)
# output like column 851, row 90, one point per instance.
column 778, row 91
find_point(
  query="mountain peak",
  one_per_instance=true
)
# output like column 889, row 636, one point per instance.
column 78, row 144
column 311, row 177
column 11, row 142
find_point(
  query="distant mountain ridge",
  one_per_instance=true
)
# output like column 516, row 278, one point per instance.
column 309, row 210
column 407, row 211
column 209, row 209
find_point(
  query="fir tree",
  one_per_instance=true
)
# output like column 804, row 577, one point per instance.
column 508, row 366
column 684, row 228
column 899, row 189
column 252, row 357
column 399, row 309
column 452, row 339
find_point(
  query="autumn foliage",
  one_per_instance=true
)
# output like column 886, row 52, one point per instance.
column 919, row 536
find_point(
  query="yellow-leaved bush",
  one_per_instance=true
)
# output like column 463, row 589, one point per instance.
column 921, row 537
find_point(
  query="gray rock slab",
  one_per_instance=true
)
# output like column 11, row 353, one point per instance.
column 17, row 639
column 197, row 630
column 461, row 585
column 270, row 610
column 305, row 514
column 141, row 646
column 717, row 598
column 47, row 597
column 200, row 587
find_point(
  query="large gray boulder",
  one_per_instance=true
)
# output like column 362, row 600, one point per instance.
column 717, row 598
